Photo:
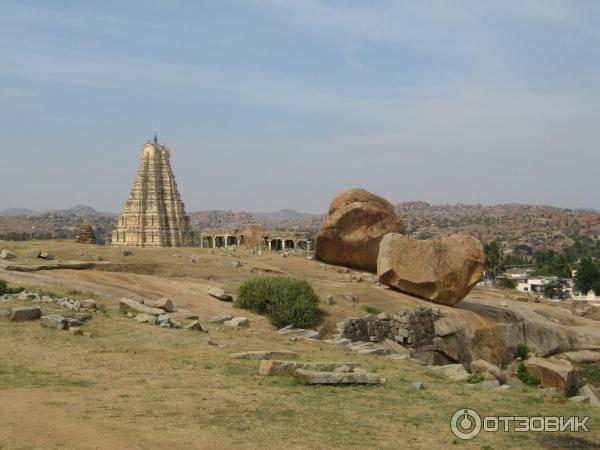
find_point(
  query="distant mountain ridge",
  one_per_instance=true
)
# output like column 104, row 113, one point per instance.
column 77, row 210
column 512, row 224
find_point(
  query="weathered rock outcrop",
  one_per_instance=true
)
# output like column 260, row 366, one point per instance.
column 357, row 222
column 443, row 271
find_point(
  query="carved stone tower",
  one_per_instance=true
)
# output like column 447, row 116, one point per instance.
column 154, row 215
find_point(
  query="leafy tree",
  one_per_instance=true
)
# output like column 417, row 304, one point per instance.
column 588, row 276
column 507, row 283
column 549, row 289
column 494, row 261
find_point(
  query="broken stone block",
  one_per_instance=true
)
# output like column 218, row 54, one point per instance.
column 55, row 321
column 164, row 320
column 194, row 325
column 238, row 322
column 72, row 322
column 456, row 372
column 89, row 304
column 166, row 304
column 299, row 332
column 219, row 294
column 277, row 367
column 592, row 392
column 146, row 318
column 556, row 373
column 317, row 377
column 489, row 384
column 24, row 313
column 486, row 368
column 221, row 318
column 266, row 355
column 128, row 305
column 7, row 254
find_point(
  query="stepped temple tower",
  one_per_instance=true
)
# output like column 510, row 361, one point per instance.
column 86, row 233
column 154, row 215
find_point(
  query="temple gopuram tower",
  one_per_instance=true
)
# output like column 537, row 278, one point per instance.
column 154, row 215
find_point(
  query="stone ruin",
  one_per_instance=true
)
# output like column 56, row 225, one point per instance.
column 273, row 240
column 413, row 327
column 154, row 215
column 86, row 233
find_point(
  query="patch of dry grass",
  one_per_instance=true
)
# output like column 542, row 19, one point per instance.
column 170, row 388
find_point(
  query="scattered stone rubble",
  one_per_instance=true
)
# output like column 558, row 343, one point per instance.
column 80, row 311
column 155, row 312
column 312, row 372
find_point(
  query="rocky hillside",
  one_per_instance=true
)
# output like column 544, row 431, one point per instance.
column 538, row 227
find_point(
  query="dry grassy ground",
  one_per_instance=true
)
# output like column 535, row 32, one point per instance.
column 136, row 386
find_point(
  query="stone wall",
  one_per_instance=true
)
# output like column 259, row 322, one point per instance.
column 412, row 327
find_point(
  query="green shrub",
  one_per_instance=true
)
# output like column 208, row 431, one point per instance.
column 284, row 300
column 4, row 289
column 372, row 309
column 475, row 378
column 522, row 351
column 524, row 375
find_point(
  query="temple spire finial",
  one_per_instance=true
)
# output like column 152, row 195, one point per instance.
column 155, row 138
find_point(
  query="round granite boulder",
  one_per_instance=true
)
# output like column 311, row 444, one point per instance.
column 351, row 234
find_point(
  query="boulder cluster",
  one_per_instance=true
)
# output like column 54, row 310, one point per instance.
column 363, row 231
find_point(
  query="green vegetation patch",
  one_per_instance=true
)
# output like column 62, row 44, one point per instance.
column 284, row 300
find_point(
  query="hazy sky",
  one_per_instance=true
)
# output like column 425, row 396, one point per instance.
column 270, row 104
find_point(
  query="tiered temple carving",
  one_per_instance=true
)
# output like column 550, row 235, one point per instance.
column 154, row 215
column 86, row 233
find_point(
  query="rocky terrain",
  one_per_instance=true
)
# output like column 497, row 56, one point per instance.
column 529, row 226
column 145, row 374
column 537, row 227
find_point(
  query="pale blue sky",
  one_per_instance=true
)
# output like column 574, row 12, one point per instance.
column 269, row 104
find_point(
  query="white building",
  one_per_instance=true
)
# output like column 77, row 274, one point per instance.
column 533, row 284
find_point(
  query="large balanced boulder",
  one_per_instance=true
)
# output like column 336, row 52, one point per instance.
column 351, row 234
column 441, row 270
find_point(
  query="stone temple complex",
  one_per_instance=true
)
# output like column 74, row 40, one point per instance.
column 274, row 240
column 154, row 215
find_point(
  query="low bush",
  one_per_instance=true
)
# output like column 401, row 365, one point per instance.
column 524, row 375
column 284, row 300
column 4, row 289
column 475, row 378
column 372, row 309
column 522, row 351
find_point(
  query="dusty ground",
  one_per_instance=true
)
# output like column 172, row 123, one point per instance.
column 138, row 386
